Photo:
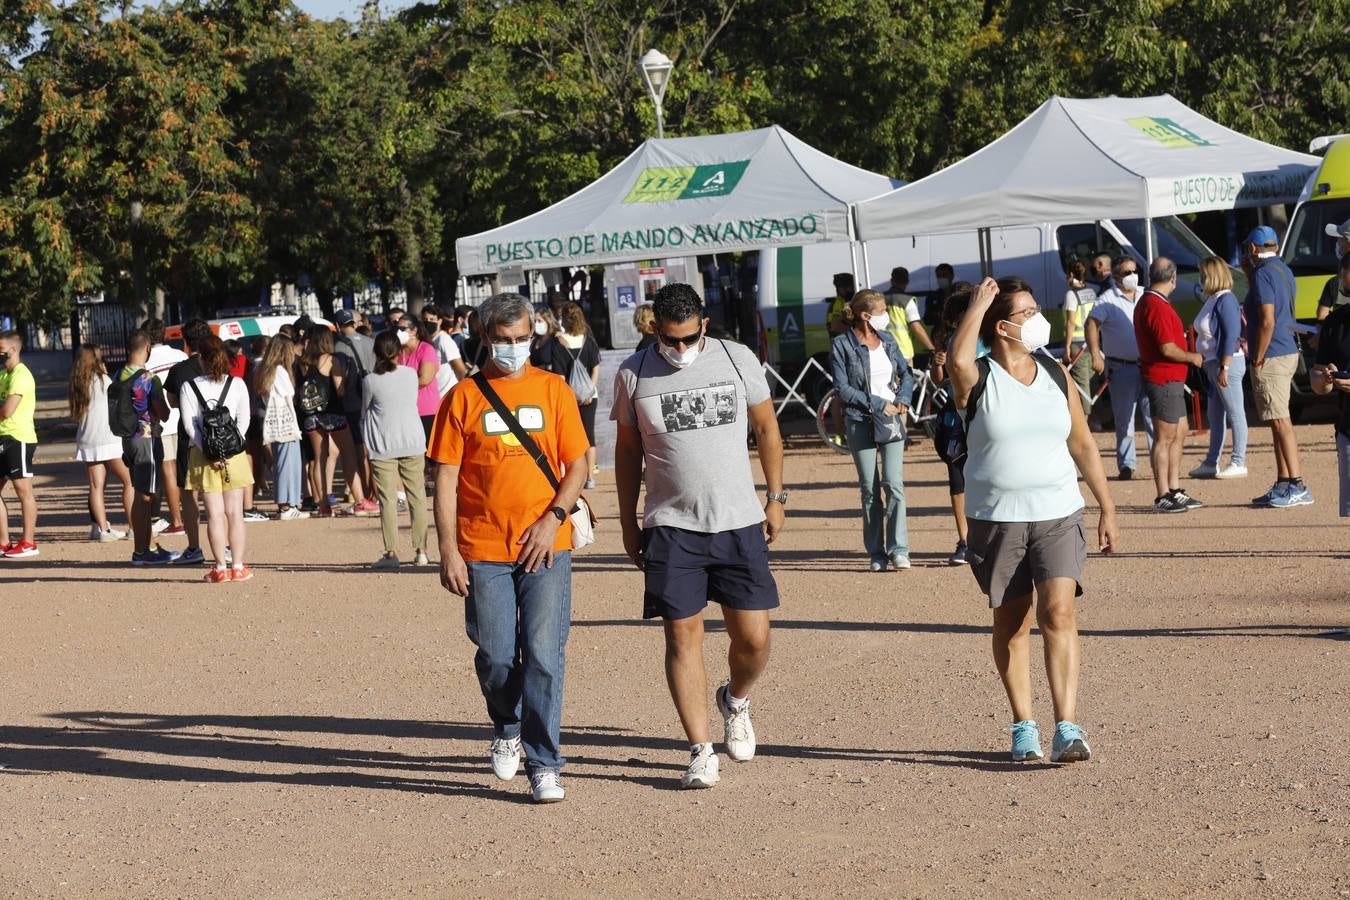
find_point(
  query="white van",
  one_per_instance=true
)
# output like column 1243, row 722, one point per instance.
column 796, row 283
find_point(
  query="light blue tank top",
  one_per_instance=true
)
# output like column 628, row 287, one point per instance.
column 1018, row 467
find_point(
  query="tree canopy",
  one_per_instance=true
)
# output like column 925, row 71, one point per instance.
column 210, row 147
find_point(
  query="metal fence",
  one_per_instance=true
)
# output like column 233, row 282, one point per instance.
column 106, row 325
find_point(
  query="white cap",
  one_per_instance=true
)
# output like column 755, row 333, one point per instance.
column 1339, row 231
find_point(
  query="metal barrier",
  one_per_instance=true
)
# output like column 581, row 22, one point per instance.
column 794, row 388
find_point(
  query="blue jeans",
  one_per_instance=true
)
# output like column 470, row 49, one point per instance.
column 1225, row 410
column 287, row 466
column 884, row 528
column 519, row 622
column 1127, row 393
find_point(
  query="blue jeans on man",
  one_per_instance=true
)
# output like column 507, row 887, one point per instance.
column 519, row 623
column 885, row 531
column 1127, row 394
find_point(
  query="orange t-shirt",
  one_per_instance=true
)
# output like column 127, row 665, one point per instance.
column 501, row 490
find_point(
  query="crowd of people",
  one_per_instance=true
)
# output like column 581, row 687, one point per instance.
column 496, row 407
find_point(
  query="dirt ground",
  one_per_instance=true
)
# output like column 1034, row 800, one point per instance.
column 318, row 732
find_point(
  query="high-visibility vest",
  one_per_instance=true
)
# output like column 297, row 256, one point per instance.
column 1086, row 297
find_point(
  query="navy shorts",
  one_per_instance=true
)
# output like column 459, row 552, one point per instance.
column 687, row 570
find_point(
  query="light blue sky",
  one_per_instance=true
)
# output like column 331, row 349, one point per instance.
column 347, row 9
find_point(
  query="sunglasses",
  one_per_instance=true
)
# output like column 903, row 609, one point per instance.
column 687, row 340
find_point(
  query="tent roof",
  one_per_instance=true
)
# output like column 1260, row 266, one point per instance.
column 1077, row 160
column 681, row 196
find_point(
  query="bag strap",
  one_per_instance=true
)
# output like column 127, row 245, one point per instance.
column 225, row 390
column 973, row 399
column 521, row 435
column 192, row 383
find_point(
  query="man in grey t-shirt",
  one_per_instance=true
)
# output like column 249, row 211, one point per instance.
column 685, row 406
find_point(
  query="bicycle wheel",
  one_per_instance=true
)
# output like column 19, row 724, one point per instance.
column 830, row 421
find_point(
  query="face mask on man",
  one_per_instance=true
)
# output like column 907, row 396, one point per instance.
column 510, row 357
column 1035, row 332
column 4, row 358
column 1129, row 283
column 681, row 359
column 541, row 328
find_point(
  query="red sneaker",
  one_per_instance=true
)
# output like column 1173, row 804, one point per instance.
column 242, row 573
column 4, row 548
column 174, row 529
column 21, row 549
column 217, row 576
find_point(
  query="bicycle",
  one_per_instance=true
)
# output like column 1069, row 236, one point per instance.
column 927, row 402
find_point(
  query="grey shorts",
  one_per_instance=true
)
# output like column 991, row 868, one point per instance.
column 1167, row 401
column 1010, row 558
column 143, row 457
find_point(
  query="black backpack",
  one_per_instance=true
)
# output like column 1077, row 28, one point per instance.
column 220, row 433
column 949, row 434
column 122, row 418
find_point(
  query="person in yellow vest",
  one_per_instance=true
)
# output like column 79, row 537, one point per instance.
column 1077, row 307
column 904, row 317
column 844, row 289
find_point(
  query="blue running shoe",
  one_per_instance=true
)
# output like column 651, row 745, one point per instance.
column 1069, row 745
column 190, row 556
column 156, row 557
column 1269, row 496
column 1293, row 495
column 1026, row 741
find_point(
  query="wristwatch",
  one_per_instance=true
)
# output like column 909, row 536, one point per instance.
column 780, row 498
column 559, row 512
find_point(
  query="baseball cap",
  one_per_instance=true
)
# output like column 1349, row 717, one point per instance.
column 1262, row 235
column 1339, row 231
column 344, row 317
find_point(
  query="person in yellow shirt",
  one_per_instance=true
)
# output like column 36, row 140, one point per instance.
column 904, row 318
column 18, row 444
column 844, row 288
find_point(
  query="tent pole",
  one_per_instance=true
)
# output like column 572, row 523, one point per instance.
column 982, row 236
column 1148, row 241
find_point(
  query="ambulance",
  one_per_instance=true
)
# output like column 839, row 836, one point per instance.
column 1308, row 249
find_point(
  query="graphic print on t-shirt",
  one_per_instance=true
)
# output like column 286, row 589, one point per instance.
column 703, row 407
column 531, row 419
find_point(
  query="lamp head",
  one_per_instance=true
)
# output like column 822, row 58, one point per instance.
column 656, row 68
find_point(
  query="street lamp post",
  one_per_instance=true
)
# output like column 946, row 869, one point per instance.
column 137, row 212
column 656, row 67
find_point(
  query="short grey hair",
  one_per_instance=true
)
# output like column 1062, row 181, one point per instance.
column 503, row 309
column 1161, row 271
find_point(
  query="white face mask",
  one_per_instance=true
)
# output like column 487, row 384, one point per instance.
column 1035, row 332
column 510, row 357
column 404, row 335
column 876, row 321
column 541, row 328
column 1130, row 282
column 679, row 360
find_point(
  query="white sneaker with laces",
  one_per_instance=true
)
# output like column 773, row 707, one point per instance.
column 702, row 771
column 505, row 754
column 421, row 559
column 1232, row 471
column 158, row 525
column 740, row 734
column 546, row 787
column 105, row 535
column 292, row 513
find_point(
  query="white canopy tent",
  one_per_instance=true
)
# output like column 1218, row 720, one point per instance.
column 685, row 196
column 1111, row 158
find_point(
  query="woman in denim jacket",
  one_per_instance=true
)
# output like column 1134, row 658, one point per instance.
column 874, row 381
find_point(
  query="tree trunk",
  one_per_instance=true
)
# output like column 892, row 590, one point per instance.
column 414, row 286
column 325, row 295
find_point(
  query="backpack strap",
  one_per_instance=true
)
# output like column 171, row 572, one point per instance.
column 229, row 379
column 201, row 401
column 976, row 392
column 1056, row 371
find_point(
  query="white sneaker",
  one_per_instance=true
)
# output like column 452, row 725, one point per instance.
column 421, row 559
column 899, row 561
column 702, row 771
column 1205, row 470
column 159, row 525
column 106, row 535
column 505, row 754
column 1231, row 471
column 385, row 562
column 291, row 513
column 546, row 786
column 740, row 734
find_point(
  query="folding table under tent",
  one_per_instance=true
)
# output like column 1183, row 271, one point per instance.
column 1110, row 158
column 686, row 196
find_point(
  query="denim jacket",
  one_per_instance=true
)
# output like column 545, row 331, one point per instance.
column 852, row 373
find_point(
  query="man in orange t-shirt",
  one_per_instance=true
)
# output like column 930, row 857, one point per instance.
column 506, row 539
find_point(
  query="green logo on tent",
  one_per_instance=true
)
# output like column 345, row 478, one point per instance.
column 1168, row 133
column 657, row 185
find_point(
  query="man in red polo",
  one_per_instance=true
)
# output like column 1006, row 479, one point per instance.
column 1164, row 362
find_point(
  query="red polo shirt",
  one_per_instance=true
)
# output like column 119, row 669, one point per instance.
column 1157, row 323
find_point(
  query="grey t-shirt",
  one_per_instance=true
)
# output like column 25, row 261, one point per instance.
column 365, row 355
column 389, row 417
column 694, row 427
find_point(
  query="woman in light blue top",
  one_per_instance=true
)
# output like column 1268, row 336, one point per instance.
column 1025, row 430
column 1218, row 329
